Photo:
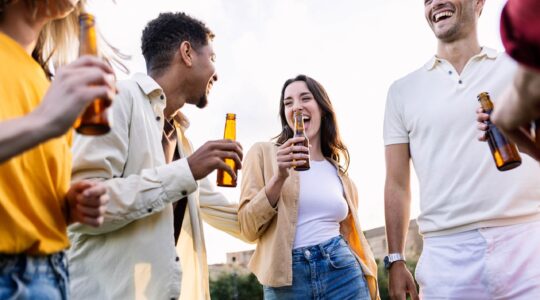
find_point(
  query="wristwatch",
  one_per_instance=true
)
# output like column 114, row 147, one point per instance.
column 391, row 258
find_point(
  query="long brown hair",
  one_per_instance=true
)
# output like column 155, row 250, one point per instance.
column 331, row 144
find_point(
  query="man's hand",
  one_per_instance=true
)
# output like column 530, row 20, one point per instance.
column 211, row 155
column 86, row 203
column 401, row 282
column 481, row 118
column 523, row 137
column 518, row 108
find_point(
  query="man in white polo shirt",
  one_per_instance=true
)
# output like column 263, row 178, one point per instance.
column 481, row 226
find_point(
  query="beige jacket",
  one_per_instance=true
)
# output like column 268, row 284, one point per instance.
column 274, row 228
column 132, row 256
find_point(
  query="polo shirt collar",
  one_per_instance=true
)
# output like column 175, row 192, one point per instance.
column 485, row 52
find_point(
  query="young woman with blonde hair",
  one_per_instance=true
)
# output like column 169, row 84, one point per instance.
column 37, row 201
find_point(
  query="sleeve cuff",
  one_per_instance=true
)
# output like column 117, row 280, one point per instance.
column 392, row 141
column 261, row 206
column 177, row 179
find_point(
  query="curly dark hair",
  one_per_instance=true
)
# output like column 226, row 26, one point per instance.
column 331, row 144
column 162, row 36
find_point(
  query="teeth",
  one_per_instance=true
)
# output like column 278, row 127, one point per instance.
column 438, row 16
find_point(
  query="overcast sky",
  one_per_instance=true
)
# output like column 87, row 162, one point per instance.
column 354, row 48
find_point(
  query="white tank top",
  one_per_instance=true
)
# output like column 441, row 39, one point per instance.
column 321, row 205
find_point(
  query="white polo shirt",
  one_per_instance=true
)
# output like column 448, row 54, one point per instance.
column 433, row 109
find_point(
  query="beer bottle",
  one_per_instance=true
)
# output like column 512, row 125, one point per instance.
column 94, row 120
column 299, row 132
column 223, row 178
column 504, row 152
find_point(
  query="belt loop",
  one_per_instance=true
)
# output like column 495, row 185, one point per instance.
column 26, row 266
column 323, row 251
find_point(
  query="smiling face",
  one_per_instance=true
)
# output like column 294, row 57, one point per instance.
column 305, row 94
column 297, row 97
column 203, row 74
column 451, row 20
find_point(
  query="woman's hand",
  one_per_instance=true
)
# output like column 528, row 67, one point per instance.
column 289, row 155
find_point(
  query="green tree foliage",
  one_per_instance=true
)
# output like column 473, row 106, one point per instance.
column 248, row 287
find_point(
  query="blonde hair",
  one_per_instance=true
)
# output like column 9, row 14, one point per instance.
column 58, row 41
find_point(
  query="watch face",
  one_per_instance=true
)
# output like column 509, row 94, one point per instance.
column 386, row 262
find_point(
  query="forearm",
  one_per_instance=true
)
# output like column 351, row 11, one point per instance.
column 397, row 214
column 527, row 83
column 140, row 195
column 217, row 210
column 255, row 212
column 273, row 189
column 521, row 102
column 20, row 134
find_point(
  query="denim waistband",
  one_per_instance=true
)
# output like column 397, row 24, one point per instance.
column 10, row 263
column 318, row 251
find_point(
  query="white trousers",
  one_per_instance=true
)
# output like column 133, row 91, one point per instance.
column 488, row 263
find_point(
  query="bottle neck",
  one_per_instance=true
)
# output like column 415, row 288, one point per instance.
column 299, row 124
column 87, row 35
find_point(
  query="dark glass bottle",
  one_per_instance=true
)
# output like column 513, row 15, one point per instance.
column 299, row 131
column 505, row 153
column 94, row 120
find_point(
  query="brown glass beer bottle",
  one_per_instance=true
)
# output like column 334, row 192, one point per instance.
column 300, row 132
column 504, row 152
column 223, row 178
column 94, row 120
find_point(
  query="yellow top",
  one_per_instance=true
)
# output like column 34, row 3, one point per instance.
column 33, row 184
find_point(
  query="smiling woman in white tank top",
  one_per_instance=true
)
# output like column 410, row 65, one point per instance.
column 309, row 241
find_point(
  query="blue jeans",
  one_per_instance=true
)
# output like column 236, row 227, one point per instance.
column 325, row 271
column 34, row 277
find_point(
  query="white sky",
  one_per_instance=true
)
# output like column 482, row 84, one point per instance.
column 354, row 48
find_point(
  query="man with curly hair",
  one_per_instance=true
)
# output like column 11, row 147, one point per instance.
column 151, row 244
